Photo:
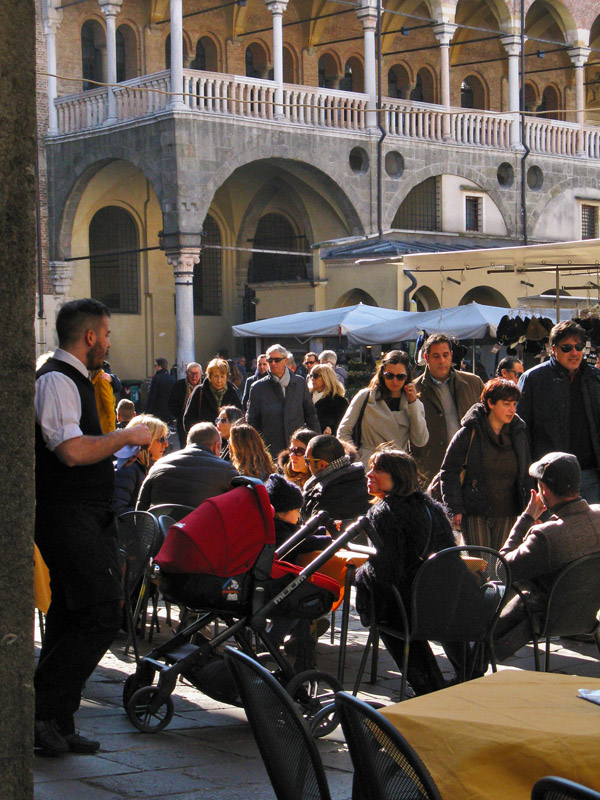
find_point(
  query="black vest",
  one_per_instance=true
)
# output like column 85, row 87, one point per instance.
column 54, row 481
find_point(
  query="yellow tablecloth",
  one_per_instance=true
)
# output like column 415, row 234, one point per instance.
column 496, row 736
column 335, row 568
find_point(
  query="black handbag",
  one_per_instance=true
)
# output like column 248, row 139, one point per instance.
column 357, row 429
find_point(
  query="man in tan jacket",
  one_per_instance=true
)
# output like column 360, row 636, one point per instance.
column 447, row 395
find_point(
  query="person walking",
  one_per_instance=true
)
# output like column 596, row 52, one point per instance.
column 328, row 396
column 180, row 394
column 211, row 395
column 160, row 390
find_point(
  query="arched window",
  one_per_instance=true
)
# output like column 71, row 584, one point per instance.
column 353, row 80
column 288, row 66
column 206, row 55
column 550, row 103
column 168, row 51
column 419, row 210
column 275, row 232
column 126, row 53
column 328, row 74
column 93, row 41
column 466, row 94
column 114, row 269
column 256, row 62
column 423, row 91
column 207, row 273
column 472, row 93
column 397, row 82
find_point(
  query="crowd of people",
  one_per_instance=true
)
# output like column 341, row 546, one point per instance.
column 430, row 460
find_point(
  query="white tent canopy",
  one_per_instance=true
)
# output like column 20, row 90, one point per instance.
column 311, row 324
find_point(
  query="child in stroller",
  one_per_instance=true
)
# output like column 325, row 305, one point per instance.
column 220, row 561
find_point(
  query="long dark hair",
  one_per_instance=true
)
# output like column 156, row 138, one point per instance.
column 402, row 468
column 393, row 357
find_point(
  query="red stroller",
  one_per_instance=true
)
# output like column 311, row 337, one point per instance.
column 221, row 563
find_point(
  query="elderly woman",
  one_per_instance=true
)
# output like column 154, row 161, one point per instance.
column 215, row 392
column 388, row 410
column 132, row 467
column 328, row 396
column 491, row 447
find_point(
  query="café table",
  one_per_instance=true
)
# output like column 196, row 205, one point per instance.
column 494, row 737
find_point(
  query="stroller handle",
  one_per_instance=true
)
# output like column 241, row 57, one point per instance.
column 320, row 519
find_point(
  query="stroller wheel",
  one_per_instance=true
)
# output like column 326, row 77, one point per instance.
column 314, row 692
column 148, row 712
column 132, row 684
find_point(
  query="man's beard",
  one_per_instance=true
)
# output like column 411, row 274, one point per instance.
column 95, row 356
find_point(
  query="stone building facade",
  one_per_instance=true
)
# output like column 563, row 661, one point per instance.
column 202, row 159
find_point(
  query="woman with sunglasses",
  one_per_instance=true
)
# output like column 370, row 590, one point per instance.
column 388, row 410
column 292, row 461
column 134, row 463
column 227, row 416
column 328, row 396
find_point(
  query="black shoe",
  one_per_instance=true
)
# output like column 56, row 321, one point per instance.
column 79, row 744
column 48, row 739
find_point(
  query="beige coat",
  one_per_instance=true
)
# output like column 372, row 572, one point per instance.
column 379, row 424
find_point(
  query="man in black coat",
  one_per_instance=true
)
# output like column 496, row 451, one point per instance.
column 261, row 370
column 336, row 486
column 180, row 395
column 160, row 390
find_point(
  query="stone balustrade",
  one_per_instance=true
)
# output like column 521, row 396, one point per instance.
column 238, row 96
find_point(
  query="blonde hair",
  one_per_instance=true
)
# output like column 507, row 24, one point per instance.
column 248, row 452
column 157, row 428
column 217, row 365
column 332, row 385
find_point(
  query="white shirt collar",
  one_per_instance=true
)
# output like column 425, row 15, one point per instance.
column 69, row 358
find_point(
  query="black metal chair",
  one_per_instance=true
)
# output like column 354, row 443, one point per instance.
column 285, row 743
column 573, row 605
column 552, row 788
column 385, row 765
column 138, row 536
column 174, row 510
column 449, row 603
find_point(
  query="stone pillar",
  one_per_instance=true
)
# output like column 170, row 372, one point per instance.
column 110, row 9
column 579, row 55
column 182, row 260
column 177, row 101
column 512, row 45
column 51, row 26
column 277, row 7
column 444, row 33
column 62, row 276
column 368, row 16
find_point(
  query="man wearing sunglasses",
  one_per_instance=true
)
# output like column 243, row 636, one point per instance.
column 280, row 403
column 560, row 404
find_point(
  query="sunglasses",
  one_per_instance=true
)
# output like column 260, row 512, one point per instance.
column 310, row 363
column 297, row 451
column 221, row 419
column 393, row 376
column 163, row 440
column 566, row 348
column 275, row 360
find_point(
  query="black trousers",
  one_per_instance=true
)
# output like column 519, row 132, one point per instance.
column 74, row 642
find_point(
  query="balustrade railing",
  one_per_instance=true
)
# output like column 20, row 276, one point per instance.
column 552, row 137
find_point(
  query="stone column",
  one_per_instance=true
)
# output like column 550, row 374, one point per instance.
column 177, row 101
column 444, row 33
column 277, row 7
column 62, row 276
column 512, row 45
column 368, row 16
column 51, row 26
column 182, row 260
column 110, row 9
column 579, row 55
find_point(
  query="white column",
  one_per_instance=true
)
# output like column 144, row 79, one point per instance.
column 51, row 26
column 177, row 55
column 368, row 16
column 110, row 10
column 277, row 7
column 182, row 260
column 579, row 55
column 444, row 33
column 512, row 45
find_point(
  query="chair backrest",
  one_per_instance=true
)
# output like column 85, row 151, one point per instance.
column 574, row 598
column 164, row 523
column 138, row 536
column 385, row 765
column 552, row 788
column 449, row 602
column 173, row 510
column 285, row 743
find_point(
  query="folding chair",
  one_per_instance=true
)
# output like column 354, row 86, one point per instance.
column 551, row 788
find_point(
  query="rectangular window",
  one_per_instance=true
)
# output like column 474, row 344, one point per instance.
column 473, row 213
column 589, row 222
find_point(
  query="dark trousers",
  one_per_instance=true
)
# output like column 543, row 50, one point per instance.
column 74, row 643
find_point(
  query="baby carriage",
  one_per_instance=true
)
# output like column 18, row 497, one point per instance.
column 220, row 563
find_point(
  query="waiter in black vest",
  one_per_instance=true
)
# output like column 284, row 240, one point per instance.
column 74, row 524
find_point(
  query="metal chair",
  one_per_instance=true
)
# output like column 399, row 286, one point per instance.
column 385, row 765
column 174, row 510
column 551, row 788
column 449, row 604
column 285, row 743
column 573, row 605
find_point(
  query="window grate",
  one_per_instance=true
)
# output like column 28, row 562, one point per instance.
column 420, row 209
column 473, row 213
column 275, row 232
column 114, row 278
column 589, row 222
column 208, row 288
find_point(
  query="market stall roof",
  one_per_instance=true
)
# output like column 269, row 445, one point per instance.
column 309, row 324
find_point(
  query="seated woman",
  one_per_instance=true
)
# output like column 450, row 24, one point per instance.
column 248, row 452
column 227, row 416
column 407, row 526
column 292, row 462
column 133, row 468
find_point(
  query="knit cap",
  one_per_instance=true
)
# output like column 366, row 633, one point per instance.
column 284, row 495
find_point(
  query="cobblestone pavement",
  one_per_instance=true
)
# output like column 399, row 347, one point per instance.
column 208, row 750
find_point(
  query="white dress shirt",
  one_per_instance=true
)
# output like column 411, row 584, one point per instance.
column 58, row 404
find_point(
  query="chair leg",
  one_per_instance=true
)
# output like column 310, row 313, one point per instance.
column 405, row 656
column 332, row 628
column 375, row 657
column 547, row 659
column 363, row 663
column 42, row 626
column 536, row 652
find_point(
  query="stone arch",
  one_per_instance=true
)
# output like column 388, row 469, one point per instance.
column 354, row 296
column 187, row 50
column 560, row 14
column 425, row 86
column 532, row 95
column 127, row 51
column 400, row 79
column 290, row 64
column 477, row 88
column 485, row 295
column 330, row 70
column 550, row 103
column 93, row 43
column 115, row 280
column 354, row 75
column 207, row 54
column 258, row 59
column 426, row 299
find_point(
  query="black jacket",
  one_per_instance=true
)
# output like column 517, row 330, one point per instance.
column 473, row 496
column 128, row 482
column 330, row 410
column 342, row 493
column 159, row 393
column 177, row 407
column 202, row 405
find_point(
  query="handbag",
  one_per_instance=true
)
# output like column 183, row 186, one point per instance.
column 357, row 429
column 435, row 487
